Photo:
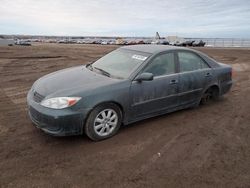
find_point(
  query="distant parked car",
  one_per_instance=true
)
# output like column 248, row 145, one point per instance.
column 129, row 84
column 140, row 42
column 176, row 43
column 131, row 42
column 188, row 43
column 164, row 42
column 23, row 43
column 155, row 42
column 104, row 42
column 111, row 42
column 198, row 44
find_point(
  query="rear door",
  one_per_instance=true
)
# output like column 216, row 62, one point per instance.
column 159, row 94
column 195, row 75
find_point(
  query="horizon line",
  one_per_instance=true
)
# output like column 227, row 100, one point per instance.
column 100, row 36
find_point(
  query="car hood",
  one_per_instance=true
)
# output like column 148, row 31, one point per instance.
column 70, row 81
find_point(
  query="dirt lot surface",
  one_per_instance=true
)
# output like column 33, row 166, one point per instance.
column 207, row 146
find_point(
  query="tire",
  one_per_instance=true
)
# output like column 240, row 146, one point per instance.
column 103, row 122
column 211, row 93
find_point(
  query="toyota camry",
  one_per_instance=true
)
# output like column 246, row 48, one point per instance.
column 129, row 84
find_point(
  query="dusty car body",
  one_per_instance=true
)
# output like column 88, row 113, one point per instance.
column 98, row 102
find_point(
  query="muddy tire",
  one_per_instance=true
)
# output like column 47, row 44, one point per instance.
column 211, row 94
column 103, row 122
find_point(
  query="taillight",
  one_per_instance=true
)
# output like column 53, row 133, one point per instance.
column 232, row 73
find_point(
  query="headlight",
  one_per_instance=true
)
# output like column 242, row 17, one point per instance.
column 60, row 102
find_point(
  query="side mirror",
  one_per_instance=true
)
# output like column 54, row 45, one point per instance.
column 146, row 76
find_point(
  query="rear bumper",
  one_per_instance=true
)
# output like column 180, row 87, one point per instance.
column 225, row 87
column 62, row 122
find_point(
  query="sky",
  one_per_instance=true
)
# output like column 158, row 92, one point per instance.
column 186, row 18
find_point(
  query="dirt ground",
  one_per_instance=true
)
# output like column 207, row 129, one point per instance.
column 207, row 146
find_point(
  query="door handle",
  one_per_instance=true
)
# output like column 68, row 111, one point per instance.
column 208, row 74
column 173, row 81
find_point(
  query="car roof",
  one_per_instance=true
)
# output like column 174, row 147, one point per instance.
column 153, row 48
column 156, row 48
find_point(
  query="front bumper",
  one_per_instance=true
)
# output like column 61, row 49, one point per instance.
column 63, row 122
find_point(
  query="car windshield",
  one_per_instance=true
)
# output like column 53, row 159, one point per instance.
column 119, row 63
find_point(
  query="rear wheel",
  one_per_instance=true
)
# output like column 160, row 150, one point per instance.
column 103, row 122
column 211, row 93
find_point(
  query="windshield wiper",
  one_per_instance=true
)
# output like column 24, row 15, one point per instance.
column 102, row 71
column 89, row 66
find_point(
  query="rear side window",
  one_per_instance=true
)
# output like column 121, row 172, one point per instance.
column 162, row 65
column 190, row 62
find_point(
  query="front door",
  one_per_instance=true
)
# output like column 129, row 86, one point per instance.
column 161, row 93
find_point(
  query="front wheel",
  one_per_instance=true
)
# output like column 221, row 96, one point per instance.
column 103, row 122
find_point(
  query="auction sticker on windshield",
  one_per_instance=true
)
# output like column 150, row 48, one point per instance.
column 139, row 57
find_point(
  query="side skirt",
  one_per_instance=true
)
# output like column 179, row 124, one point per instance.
column 162, row 112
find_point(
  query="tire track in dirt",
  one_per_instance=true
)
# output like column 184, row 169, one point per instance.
column 17, row 94
column 195, row 153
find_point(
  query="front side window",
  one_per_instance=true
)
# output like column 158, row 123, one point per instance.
column 162, row 65
column 190, row 62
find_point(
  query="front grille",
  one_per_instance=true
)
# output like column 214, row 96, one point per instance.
column 35, row 114
column 43, row 120
column 37, row 97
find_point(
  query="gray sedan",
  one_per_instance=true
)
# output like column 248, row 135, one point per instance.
column 127, row 85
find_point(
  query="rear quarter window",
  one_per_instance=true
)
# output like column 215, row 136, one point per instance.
column 190, row 62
